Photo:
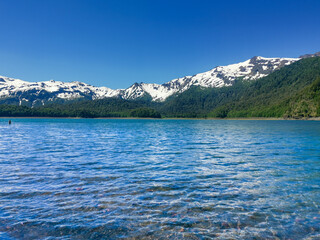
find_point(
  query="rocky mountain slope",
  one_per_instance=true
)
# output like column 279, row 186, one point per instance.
column 38, row 93
column 317, row 54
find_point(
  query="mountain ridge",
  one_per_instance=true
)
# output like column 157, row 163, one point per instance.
column 39, row 93
column 290, row 92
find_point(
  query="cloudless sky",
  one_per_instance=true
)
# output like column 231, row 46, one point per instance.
column 118, row 42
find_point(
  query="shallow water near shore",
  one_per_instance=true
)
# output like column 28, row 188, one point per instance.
column 159, row 179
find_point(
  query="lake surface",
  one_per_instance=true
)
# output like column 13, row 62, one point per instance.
column 159, row 179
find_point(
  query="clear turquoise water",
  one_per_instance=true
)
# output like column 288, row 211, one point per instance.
column 159, row 179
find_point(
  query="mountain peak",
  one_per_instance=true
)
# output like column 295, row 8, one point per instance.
column 256, row 58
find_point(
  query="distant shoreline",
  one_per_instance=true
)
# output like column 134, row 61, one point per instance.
column 134, row 118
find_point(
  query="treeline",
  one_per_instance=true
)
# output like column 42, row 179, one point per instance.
column 291, row 92
column 109, row 107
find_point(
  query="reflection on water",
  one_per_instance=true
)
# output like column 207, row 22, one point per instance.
column 159, row 179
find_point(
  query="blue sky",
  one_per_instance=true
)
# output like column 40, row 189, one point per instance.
column 116, row 43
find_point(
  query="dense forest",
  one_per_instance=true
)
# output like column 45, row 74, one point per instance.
column 291, row 92
column 108, row 107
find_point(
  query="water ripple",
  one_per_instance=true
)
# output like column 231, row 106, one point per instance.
column 159, row 179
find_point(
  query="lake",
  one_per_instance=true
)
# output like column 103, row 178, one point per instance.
column 159, row 179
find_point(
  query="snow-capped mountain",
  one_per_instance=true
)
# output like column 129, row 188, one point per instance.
column 252, row 69
column 43, row 92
